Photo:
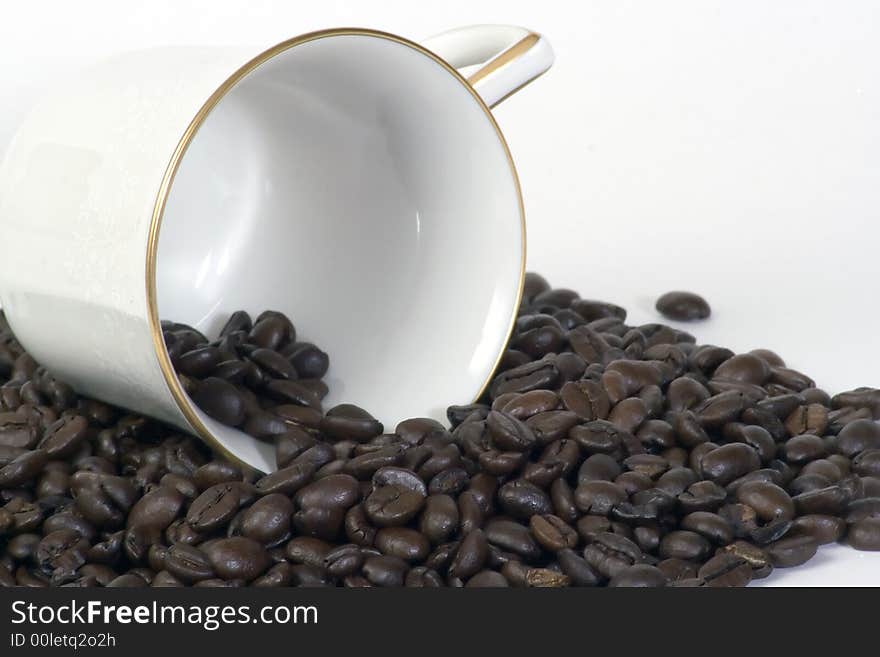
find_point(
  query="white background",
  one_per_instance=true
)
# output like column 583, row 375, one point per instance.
column 731, row 148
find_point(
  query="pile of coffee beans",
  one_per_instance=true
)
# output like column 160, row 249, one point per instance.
column 602, row 454
column 253, row 375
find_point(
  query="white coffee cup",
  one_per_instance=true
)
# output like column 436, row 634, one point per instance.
column 352, row 179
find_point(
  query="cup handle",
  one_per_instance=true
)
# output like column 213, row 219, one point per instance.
column 507, row 57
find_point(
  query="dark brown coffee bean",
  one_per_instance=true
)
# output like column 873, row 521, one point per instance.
column 729, row 462
column 309, row 361
column 540, row 374
column 385, row 570
column 339, row 491
column 508, row 433
column 639, row 576
column 267, row 521
column 792, row 551
column 822, row 528
column 865, row 534
column 440, row 519
column 347, row 421
column 512, row 537
column 23, row 468
column 865, row 464
column 157, row 509
column 610, row 554
column 710, row 525
column 287, row 480
column 221, row 400
column 522, row 499
column 683, row 306
column 598, row 497
column 188, row 563
column 214, row 507
column 769, row 501
column 237, row 557
column 393, row 506
column 726, row 570
column 553, row 533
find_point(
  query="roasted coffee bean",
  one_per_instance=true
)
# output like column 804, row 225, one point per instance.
column 553, row 533
column 865, row 534
column 639, row 576
column 471, row 555
column 865, row 464
column 792, row 551
column 23, row 469
column 769, row 501
column 702, row 496
column 221, row 400
column 729, row 462
column 287, row 480
column 440, row 519
column 683, row 306
column 402, row 542
column 309, row 361
column 267, row 521
column 726, row 570
column 610, row 554
column 508, row 433
column 858, row 436
column 689, row 430
column 683, row 544
column 157, row 509
column 385, row 570
column 339, row 491
column 598, row 497
column 393, row 506
column 822, row 528
column 522, row 499
column 512, row 537
column 188, row 563
column 237, row 557
column 804, row 448
column 214, row 507
column 709, row 525
column 347, row 421
column 829, row 500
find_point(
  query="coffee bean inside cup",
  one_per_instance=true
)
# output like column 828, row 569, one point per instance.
column 604, row 453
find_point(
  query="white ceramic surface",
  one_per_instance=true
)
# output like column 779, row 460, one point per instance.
column 348, row 178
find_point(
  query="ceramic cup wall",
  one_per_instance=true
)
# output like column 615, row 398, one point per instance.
column 349, row 178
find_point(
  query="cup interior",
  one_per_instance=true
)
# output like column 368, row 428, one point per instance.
column 355, row 184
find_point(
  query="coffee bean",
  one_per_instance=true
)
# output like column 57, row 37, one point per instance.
column 188, row 563
column 865, row 534
column 794, row 551
column 339, row 491
column 769, row 501
column 553, row 533
column 267, row 521
column 393, row 506
column 440, row 518
column 683, row 306
column 309, row 361
column 221, row 400
column 402, row 542
column 522, row 499
column 726, row 571
column 237, row 557
column 610, row 554
column 385, row 570
column 639, row 576
column 822, row 528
